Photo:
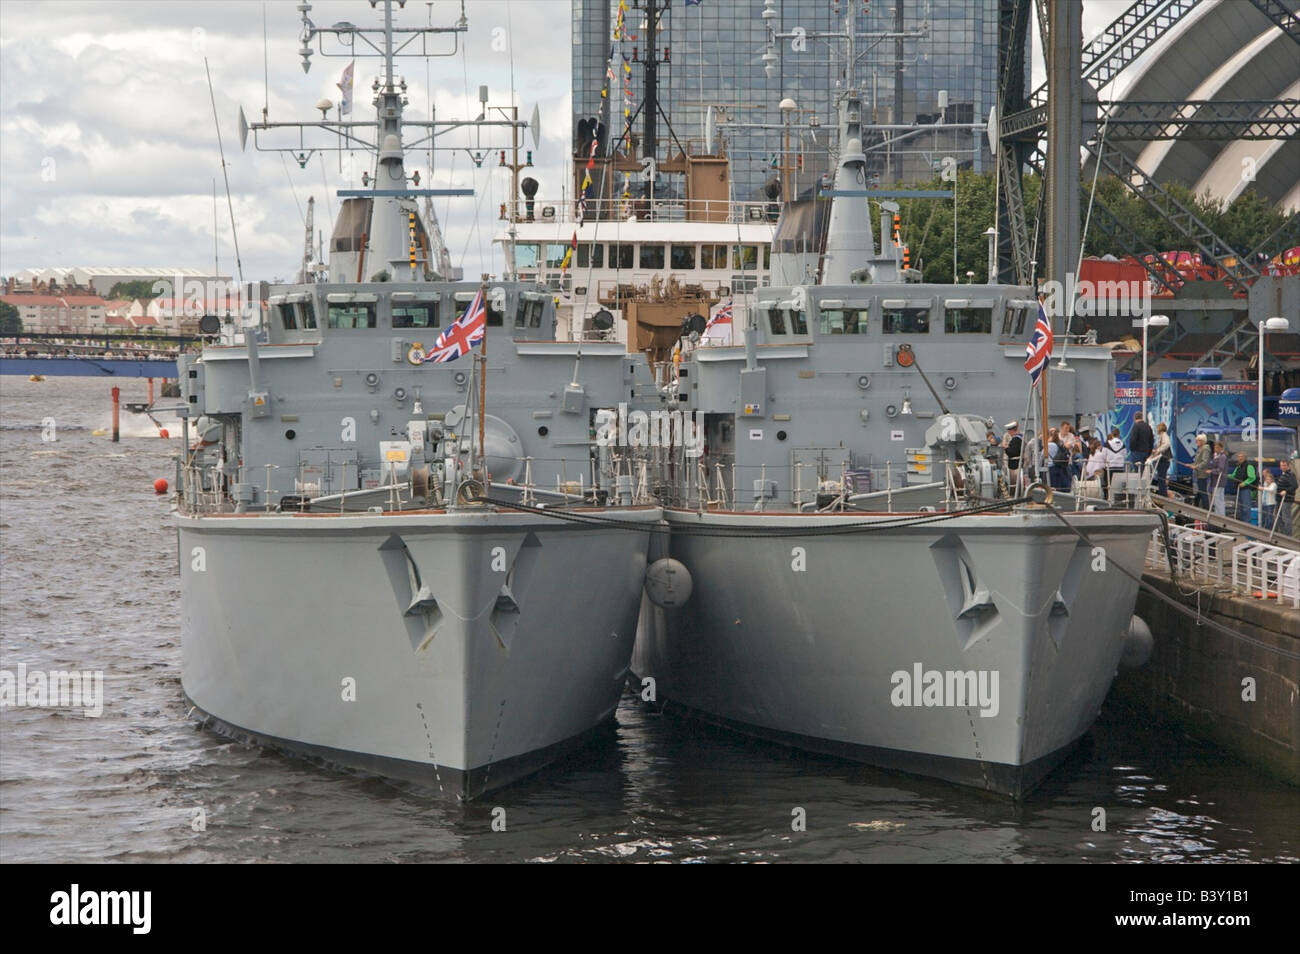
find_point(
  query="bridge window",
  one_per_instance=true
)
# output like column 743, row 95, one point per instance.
column 296, row 314
column 683, row 257
column 787, row 321
column 420, row 314
column 352, row 315
column 530, row 312
column 1013, row 321
column 495, row 319
column 555, row 254
column 968, row 321
column 591, row 256
column 837, row 321
column 713, row 256
column 620, row 255
column 767, row 258
column 652, row 256
column 745, row 258
column 525, row 255
column 905, row 321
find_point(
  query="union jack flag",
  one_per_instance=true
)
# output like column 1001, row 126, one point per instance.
column 721, row 317
column 1039, row 350
column 461, row 335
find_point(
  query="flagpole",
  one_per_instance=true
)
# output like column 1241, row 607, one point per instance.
column 482, row 396
column 1047, row 363
column 1043, row 423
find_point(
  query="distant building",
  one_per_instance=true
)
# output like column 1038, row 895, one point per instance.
column 55, row 314
column 716, row 59
column 101, row 279
column 1233, row 55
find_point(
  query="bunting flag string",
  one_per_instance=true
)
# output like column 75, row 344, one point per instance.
column 568, row 255
column 586, row 183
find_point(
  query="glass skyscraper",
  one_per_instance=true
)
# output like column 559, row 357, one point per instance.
column 711, row 53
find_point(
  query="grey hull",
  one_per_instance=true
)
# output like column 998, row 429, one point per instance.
column 424, row 776
column 811, row 640
column 445, row 649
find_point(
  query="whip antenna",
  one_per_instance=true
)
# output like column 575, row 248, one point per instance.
column 239, row 265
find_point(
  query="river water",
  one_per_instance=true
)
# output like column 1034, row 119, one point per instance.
column 88, row 582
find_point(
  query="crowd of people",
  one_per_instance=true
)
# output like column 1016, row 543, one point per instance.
column 1096, row 458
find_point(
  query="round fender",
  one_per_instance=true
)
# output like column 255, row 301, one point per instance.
column 668, row 583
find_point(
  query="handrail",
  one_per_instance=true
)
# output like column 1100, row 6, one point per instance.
column 565, row 211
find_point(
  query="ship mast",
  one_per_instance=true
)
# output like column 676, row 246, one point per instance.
column 383, row 242
column 849, row 247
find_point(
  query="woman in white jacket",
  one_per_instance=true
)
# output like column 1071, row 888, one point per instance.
column 1112, row 452
column 1094, row 469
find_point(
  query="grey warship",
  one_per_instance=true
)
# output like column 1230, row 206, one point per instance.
column 846, row 573
column 345, row 593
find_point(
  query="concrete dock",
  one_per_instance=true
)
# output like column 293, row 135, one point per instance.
column 1240, row 692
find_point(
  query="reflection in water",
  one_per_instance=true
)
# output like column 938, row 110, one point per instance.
column 88, row 581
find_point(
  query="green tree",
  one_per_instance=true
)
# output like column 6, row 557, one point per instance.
column 1243, row 224
column 927, row 227
column 1250, row 220
column 132, row 290
column 10, row 322
column 927, row 224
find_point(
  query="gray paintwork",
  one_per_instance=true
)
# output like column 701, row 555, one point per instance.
column 427, row 636
column 481, row 636
column 796, row 638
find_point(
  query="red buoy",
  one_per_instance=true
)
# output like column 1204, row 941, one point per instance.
column 160, row 486
column 162, row 432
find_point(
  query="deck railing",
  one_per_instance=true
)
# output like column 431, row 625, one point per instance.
column 651, row 210
column 1268, row 572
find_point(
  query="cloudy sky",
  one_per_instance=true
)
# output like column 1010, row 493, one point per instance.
column 108, row 151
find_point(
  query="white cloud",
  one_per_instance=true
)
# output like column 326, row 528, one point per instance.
column 108, row 151
column 111, row 97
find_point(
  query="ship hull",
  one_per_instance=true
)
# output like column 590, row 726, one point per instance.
column 978, row 649
column 446, row 650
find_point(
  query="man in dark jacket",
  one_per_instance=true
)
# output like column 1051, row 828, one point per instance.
column 1141, row 441
column 1286, row 492
column 1012, row 443
column 1201, row 471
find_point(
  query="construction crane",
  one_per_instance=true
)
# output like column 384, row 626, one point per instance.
column 437, row 247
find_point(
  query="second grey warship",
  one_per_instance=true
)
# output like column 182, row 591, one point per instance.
column 846, row 572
